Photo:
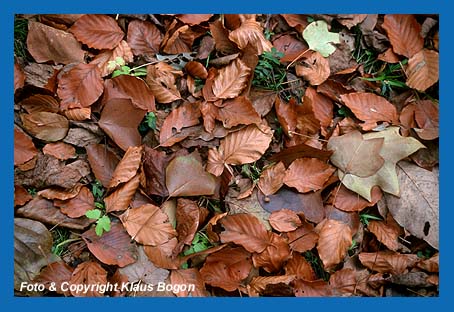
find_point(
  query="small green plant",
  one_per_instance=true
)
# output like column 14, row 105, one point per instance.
column 97, row 190
column 199, row 243
column 365, row 218
column 60, row 235
column 251, row 171
column 269, row 73
column 32, row 191
column 316, row 264
column 102, row 220
column 390, row 76
column 20, row 37
column 120, row 68
column 149, row 122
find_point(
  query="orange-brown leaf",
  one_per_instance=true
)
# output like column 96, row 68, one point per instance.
column 427, row 118
column 102, row 162
column 185, row 115
column 162, row 83
column 97, row 31
column 60, row 150
column 148, row 225
column 386, row 232
column 189, row 277
column 271, row 179
column 335, row 238
column 196, row 70
column 231, row 80
column 144, row 37
column 187, row 216
column 102, row 59
column 162, row 255
column 221, row 38
column 259, row 284
column 21, row 196
column 321, row 105
column 300, row 267
column 387, row 261
column 250, row 32
column 308, row 174
column 45, row 126
column 136, row 90
column 80, row 86
column 24, row 149
column 370, row 108
column 423, row 70
column 40, row 103
column 77, row 207
column 237, row 111
column 303, row 238
column 318, row 288
column 314, row 69
column 404, row 32
column 194, row 19
column 19, row 76
column 87, row 274
column 343, row 282
column 54, row 274
column 245, row 230
column 78, row 114
column 59, row 193
column 349, row 201
column 284, row 220
column 128, row 166
column 274, row 256
column 121, row 198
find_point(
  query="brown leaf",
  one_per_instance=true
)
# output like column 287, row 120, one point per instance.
column 148, row 225
column 187, row 216
column 245, row 230
column 430, row 265
column 227, row 268
column 144, row 37
column 300, row 267
column 321, row 105
column 162, row 83
column 314, row 69
column 102, row 162
column 303, row 238
column 250, row 32
column 231, row 80
column 284, row 220
column 21, row 196
column 87, row 274
column 274, row 255
column 221, row 38
column 271, row 179
column 185, row 176
column 80, row 86
column 370, row 108
column 423, row 70
column 404, row 32
column 185, row 115
column 387, row 261
column 287, row 114
column 120, row 120
column 343, row 282
column 290, row 46
column 121, row 198
column 113, row 247
column 262, row 100
column 60, row 150
column 24, row 149
column 308, row 174
column 128, row 166
column 237, row 111
column 59, row 193
column 180, row 39
column 136, row 90
column 426, row 116
column 196, row 69
column 77, row 207
column 154, row 165
column 43, row 210
column 355, row 155
column 162, row 255
column 49, row 44
column 102, row 59
column 194, row 19
column 386, row 232
column 388, row 56
column 289, row 154
column 19, row 76
column 317, row 288
column 262, row 284
column 350, row 20
column 346, row 200
column 45, row 126
column 335, row 238
column 54, row 274
column 189, row 277
column 97, row 31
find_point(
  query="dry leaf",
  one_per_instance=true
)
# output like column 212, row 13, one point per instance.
column 284, row 220
column 128, row 166
column 189, row 277
column 274, row 255
column 19, row 76
column 196, row 70
column 136, row 90
column 102, row 162
column 321, row 105
column 187, row 217
column 53, row 275
column 335, row 238
column 427, row 118
column 314, row 69
column 122, row 50
column 45, row 126
column 300, row 267
column 24, row 149
column 250, row 32
column 87, row 274
column 185, row 115
column 77, row 207
column 404, row 32
column 271, row 179
column 317, row 288
column 221, row 38
column 144, row 37
column 387, row 261
column 231, row 80
column 423, row 70
column 162, row 83
column 60, row 150
column 343, row 282
column 121, row 198
column 21, row 196
column 308, row 174
column 237, row 111
column 386, row 232
column 154, row 166
column 303, row 238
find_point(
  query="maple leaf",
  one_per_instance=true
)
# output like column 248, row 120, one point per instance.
column 395, row 147
column 320, row 39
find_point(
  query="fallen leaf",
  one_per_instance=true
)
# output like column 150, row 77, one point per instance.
column 162, row 83
column 314, row 69
column 21, row 196
column 163, row 256
column 349, row 201
column 45, row 126
column 289, row 154
column 262, row 100
column 97, row 31
column 343, row 282
column 127, row 167
column 32, row 250
column 322, row 106
column 300, row 267
column 147, row 225
column 355, row 154
column 185, row 176
column 120, row 120
column 250, row 32
column 395, row 148
column 430, row 265
column 154, row 165
column 284, row 220
column 290, row 47
column 350, row 218
column 102, row 162
column 77, row 206
column 319, row 38
column 113, row 247
column 417, row 209
column 187, row 217
column 245, row 230
column 271, row 179
column 144, row 37
column 259, row 284
column 387, row 261
column 86, row 274
column 122, row 50
column 24, row 149
column 308, row 174
column 317, row 288
column 274, row 255
column 19, row 77
column 136, row 90
column 196, row 70
column 194, row 19
column 335, row 238
column 221, row 38
column 189, row 277
column 370, row 108
column 427, row 118
column 304, row 238
column 59, row 193
column 80, row 86
column 231, row 80
column 81, row 137
column 237, row 111
column 55, row 274
column 50, row 44
column 404, row 32
column 43, row 210
column 386, row 232
column 60, row 150
column 227, row 268
column 121, row 198
column 388, row 56
column 185, row 115
column 350, row 20
column 423, row 70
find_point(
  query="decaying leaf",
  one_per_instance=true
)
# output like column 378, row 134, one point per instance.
column 271, row 179
column 54, row 274
column 77, row 206
column 46, row 126
column 189, row 277
column 185, row 115
column 250, row 32
column 387, row 261
column 284, row 220
column 24, row 149
column 274, row 255
column 335, row 238
column 319, row 38
column 102, row 162
column 88, row 273
column 423, row 70
column 308, row 174
column 404, row 32
column 127, row 167
column 143, row 37
column 60, row 150
column 231, row 80
column 121, row 198
column 315, row 69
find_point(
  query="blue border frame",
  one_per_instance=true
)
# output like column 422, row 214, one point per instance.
column 7, row 11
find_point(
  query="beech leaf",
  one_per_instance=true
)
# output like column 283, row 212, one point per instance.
column 144, row 37
column 404, row 32
column 45, row 126
column 102, row 162
column 231, row 80
column 128, row 166
column 86, row 274
column 335, row 237
column 423, row 70
column 121, row 198
column 24, row 149
column 308, row 174
column 271, row 179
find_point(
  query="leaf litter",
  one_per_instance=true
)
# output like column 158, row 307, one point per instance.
column 242, row 154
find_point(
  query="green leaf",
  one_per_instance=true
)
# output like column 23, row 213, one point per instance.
column 320, row 39
column 98, row 230
column 104, row 221
column 93, row 214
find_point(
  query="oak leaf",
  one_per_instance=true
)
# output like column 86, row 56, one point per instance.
column 404, row 32
column 45, row 126
column 308, row 174
column 423, row 70
column 231, row 80
column 335, row 238
column 127, row 167
column 148, row 225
